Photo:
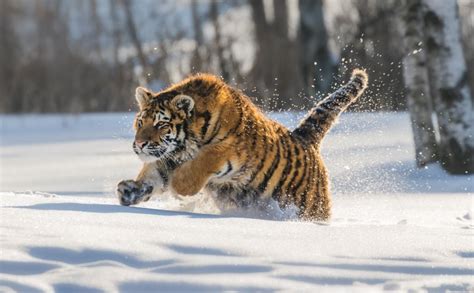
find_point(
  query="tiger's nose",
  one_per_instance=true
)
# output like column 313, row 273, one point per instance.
column 141, row 143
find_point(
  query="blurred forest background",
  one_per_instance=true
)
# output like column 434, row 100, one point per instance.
column 76, row 56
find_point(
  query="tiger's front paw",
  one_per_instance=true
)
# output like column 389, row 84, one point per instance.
column 131, row 192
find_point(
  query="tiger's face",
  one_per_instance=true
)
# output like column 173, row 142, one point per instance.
column 161, row 124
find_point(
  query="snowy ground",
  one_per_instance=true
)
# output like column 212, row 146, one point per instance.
column 61, row 229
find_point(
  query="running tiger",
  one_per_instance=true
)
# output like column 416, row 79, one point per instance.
column 202, row 133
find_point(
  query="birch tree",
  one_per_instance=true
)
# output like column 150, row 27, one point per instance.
column 449, row 87
column 417, row 83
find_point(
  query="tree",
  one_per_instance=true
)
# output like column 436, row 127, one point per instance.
column 366, row 35
column 285, row 60
column 315, row 53
column 134, row 37
column 9, row 55
column 449, row 87
column 214, row 14
column 417, row 83
column 197, row 60
column 436, row 73
column 261, row 71
column 276, row 66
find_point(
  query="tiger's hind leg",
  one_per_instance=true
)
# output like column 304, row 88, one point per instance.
column 230, row 197
column 319, row 208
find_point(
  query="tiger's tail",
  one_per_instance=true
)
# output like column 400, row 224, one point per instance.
column 321, row 118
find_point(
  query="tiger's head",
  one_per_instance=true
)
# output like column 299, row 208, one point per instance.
column 161, row 124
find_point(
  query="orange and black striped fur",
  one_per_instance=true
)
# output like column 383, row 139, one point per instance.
column 202, row 133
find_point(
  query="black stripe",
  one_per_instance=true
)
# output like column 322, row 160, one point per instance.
column 185, row 129
column 312, row 120
column 215, row 127
column 229, row 169
column 305, row 197
column 252, row 134
column 269, row 173
column 284, row 175
column 262, row 161
column 298, row 184
column 318, row 111
column 316, row 180
column 290, row 173
column 207, row 117
column 179, row 127
column 231, row 131
column 165, row 96
column 213, row 134
column 197, row 83
column 295, row 169
column 236, row 126
column 302, row 203
column 305, row 173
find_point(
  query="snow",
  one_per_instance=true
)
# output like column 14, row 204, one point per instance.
column 394, row 227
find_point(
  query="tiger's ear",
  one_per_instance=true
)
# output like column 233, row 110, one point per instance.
column 183, row 102
column 143, row 96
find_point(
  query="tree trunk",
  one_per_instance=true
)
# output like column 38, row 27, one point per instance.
column 197, row 61
column 98, row 28
column 261, row 71
column 132, row 31
column 214, row 13
column 315, row 58
column 285, row 66
column 449, row 88
column 9, row 57
column 417, row 83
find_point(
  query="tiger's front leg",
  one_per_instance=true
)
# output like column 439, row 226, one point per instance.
column 192, row 176
column 148, row 182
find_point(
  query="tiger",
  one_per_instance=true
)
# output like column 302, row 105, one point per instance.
column 203, row 134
